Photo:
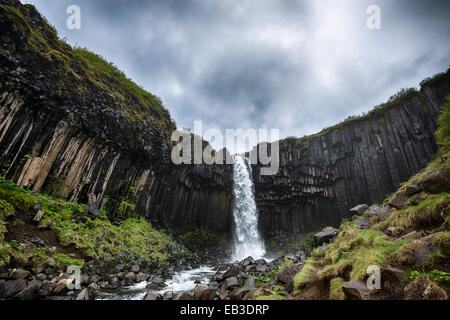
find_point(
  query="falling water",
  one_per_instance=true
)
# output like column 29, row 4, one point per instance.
column 247, row 239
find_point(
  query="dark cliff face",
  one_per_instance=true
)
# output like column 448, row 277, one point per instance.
column 70, row 131
column 360, row 161
column 64, row 132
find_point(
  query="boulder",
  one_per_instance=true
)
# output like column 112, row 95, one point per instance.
column 250, row 283
column 233, row 271
column 29, row 293
column 38, row 216
column 412, row 235
column 186, row 295
column 288, row 273
column 19, row 274
column 324, row 236
column 130, row 276
column 204, row 292
column 239, row 293
column 152, row 295
column 61, row 286
column 230, row 283
column 168, row 295
column 46, row 288
column 363, row 223
column 412, row 189
column 359, row 209
column 400, row 200
column 12, row 287
column 377, row 211
column 262, row 268
column 356, row 290
column 135, row 268
column 436, row 181
column 424, row 288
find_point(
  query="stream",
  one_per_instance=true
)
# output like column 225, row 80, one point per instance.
column 181, row 281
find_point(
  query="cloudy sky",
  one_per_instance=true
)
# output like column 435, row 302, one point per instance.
column 294, row 65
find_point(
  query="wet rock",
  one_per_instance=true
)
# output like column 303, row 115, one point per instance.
column 152, row 295
column 356, row 290
column 436, row 181
column 168, row 295
column 359, row 209
column 29, row 293
column 261, row 268
column 12, row 287
column 232, row 272
column 204, row 292
column 46, row 288
column 376, row 211
column 239, row 293
column 325, row 236
column 187, row 295
column 230, row 283
column 250, row 283
column 424, row 288
column 19, row 273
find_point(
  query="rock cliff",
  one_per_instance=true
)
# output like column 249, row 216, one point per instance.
column 358, row 161
column 72, row 125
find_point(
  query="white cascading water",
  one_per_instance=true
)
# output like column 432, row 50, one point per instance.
column 247, row 240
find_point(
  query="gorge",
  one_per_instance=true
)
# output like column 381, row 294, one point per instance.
column 85, row 140
column 85, row 158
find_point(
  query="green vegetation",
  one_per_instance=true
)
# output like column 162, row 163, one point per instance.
column 202, row 238
column 265, row 281
column 336, row 292
column 305, row 273
column 96, row 238
column 443, row 133
column 354, row 250
column 79, row 69
column 440, row 277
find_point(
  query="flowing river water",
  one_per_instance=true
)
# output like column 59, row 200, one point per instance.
column 247, row 241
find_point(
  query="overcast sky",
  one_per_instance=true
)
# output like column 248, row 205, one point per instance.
column 298, row 66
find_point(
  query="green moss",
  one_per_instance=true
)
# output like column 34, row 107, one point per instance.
column 336, row 292
column 202, row 238
column 6, row 210
column 21, row 202
column 443, row 133
column 53, row 187
column 440, row 277
column 67, row 261
column 305, row 273
column 134, row 235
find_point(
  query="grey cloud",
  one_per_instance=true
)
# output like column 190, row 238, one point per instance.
column 295, row 65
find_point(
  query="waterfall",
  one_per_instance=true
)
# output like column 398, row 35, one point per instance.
column 247, row 241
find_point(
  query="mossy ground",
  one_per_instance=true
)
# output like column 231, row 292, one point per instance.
column 97, row 238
